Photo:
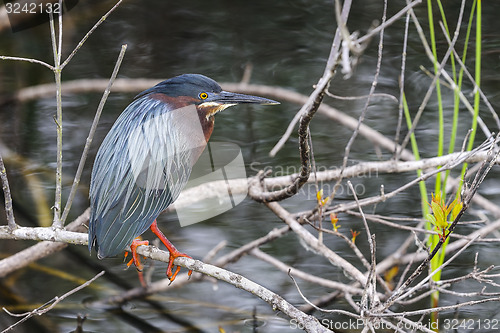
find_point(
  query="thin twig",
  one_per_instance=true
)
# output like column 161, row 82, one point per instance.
column 439, row 72
column 90, row 137
column 370, row 281
column 8, row 198
column 453, row 86
column 436, row 309
column 313, row 243
column 466, row 201
column 402, row 82
column 346, row 313
column 53, row 302
column 60, row 34
column 319, row 281
column 320, row 87
column 361, row 118
column 390, row 21
column 450, row 248
column 33, row 61
column 306, row 113
column 84, row 39
column 354, row 98
column 419, row 270
column 472, row 80
column 460, row 158
column 57, row 223
column 208, row 258
column 417, row 229
column 349, row 243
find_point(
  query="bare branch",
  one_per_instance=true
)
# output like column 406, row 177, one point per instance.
column 472, row 81
column 306, row 113
column 389, row 21
column 361, row 118
column 435, row 80
column 466, row 201
column 57, row 223
column 402, row 82
column 135, row 85
column 90, row 137
column 44, row 234
column 42, row 249
column 46, row 307
column 84, row 39
column 33, row 61
column 314, row 244
column 8, row 199
column 315, row 98
column 306, row 276
column 346, row 313
column 310, row 323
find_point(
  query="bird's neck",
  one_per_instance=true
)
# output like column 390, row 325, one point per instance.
column 207, row 123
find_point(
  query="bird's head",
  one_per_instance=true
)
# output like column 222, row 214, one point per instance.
column 203, row 92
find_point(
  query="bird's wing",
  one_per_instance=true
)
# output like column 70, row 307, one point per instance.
column 143, row 164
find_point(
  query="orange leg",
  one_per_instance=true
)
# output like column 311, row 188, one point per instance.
column 174, row 253
column 135, row 258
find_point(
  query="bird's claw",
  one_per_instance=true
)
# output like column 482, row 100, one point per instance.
column 135, row 257
column 174, row 255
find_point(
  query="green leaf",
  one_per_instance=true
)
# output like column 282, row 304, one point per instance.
column 431, row 218
column 439, row 215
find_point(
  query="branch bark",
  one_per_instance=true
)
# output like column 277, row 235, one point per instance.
column 43, row 249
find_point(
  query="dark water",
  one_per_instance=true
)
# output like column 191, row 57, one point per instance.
column 287, row 43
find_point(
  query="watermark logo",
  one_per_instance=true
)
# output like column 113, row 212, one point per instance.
column 219, row 164
column 26, row 14
column 360, row 324
column 160, row 160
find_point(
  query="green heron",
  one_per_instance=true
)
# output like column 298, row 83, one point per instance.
column 146, row 160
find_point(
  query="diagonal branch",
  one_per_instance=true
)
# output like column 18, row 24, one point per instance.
column 306, row 113
column 90, row 137
column 84, row 39
column 485, row 168
column 46, row 307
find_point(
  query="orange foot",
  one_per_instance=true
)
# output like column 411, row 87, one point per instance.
column 135, row 258
column 174, row 253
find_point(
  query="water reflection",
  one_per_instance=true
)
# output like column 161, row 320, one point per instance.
column 287, row 43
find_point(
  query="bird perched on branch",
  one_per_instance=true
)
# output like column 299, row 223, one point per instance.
column 146, row 160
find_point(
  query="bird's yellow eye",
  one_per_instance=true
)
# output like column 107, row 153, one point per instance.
column 203, row 95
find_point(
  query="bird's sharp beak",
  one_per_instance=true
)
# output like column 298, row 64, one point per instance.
column 226, row 97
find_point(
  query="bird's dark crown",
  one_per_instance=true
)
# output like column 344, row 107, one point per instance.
column 184, row 85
